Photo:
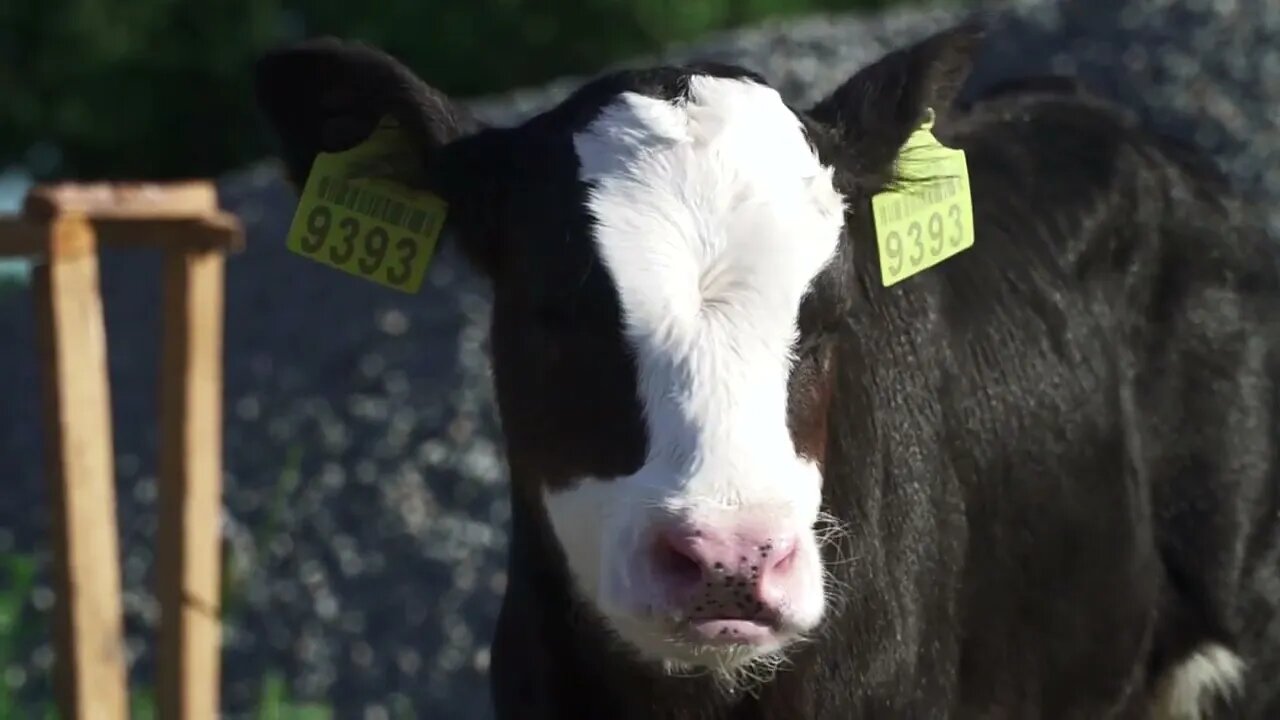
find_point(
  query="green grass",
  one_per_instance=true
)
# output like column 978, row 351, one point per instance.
column 274, row 703
column 234, row 594
column 19, row 577
column 19, row 631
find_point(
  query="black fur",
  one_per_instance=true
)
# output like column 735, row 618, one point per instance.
column 1055, row 453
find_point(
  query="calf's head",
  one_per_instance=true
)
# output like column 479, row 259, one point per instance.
column 670, row 264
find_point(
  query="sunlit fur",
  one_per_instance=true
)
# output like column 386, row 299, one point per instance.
column 1189, row 689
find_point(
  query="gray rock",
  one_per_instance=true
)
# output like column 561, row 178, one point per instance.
column 365, row 507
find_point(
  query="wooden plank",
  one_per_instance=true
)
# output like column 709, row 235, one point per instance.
column 189, row 547
column 23, row 237
column 195, row 198
column 91, row 676
column 221, row 232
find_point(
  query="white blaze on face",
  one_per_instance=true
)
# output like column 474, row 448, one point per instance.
column 713, row 215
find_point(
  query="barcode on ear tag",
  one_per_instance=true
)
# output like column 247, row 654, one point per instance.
column 370, row 227
column 931, row 218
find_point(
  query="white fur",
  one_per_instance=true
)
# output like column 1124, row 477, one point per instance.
column 1211, row 672
column 713, row 217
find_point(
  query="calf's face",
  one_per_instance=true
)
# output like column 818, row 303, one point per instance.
column 711, row 216
column 668, row 256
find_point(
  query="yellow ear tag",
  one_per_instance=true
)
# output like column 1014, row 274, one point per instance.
column 374, row 228
column 931, row 218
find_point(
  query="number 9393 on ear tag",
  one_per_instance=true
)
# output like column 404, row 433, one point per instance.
column 367, row 226
column 930, row 218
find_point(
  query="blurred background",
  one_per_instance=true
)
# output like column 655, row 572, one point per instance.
column 365, row 511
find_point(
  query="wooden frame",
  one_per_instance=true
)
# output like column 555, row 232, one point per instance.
column 61, row 228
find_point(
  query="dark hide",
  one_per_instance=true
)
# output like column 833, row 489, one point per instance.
column 1054, row 454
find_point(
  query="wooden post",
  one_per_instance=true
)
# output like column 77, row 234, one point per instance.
column 62, row 226
column 191, row 485
column 91, row 681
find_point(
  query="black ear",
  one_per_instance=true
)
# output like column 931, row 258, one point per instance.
column 876, row 110
column 327, row 95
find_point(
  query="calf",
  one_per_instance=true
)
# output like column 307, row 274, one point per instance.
column 748, row 480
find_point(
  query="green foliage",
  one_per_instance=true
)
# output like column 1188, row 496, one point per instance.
column 142, row 704
column 142, row 87
column 161, row 88
column 234, row 566
column 21, row 630
column 274, row 704
column 19, row 574
column 18, row 630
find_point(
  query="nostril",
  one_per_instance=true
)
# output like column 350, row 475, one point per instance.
column 676, row 563
column 784, row 561
column 710, row 573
